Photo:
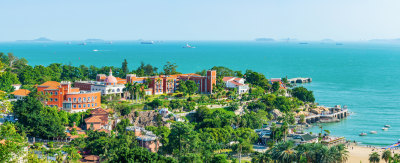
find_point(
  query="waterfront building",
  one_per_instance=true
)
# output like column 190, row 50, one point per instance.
column 279, row 80
column 20, row 93
column 104, row 84
column 238, row 83
column 170, row 83
column 65, row 97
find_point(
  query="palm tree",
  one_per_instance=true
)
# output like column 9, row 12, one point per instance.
column 283, row 152
column 342, row 153
column 374, row 157
column 386, row 155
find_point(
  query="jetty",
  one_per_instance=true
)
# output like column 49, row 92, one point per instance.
column 300, row 80
column 334, row 114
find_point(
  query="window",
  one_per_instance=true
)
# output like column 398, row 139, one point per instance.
column 88, row 98
column 95, row 104
column 51, row 93
column 84, row 99
column 55, row 93
column 55, row 99
column 80, row 99
column 88, row 105
column 51, row 99
column 74, row 106
column 84, row 106
column 74, row 99
column 79, row 105
column 92, row 105
column 69, row 99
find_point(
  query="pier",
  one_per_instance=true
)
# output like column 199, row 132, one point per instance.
column 335, row 114
column 300, row 80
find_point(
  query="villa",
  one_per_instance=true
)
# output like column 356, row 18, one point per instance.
column 20, row 93
column 238, row 83
column 65, row 97
column 145, row 138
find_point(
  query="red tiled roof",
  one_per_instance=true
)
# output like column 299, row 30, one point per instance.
column 98, row 111
column 236, row 83
column 50, row 83
column 227, row 78
column 21, row 92
column 276, row 80
column 93, row 119
column 92, row 158
column 103, row 130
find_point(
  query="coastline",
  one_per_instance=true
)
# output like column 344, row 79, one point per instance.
column 360, row 153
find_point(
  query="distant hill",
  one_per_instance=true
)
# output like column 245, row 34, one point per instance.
column 327, row 40
column 264, row 39
column 385, row 40
column 40, row 39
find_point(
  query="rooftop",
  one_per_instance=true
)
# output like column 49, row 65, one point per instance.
column 21, row 92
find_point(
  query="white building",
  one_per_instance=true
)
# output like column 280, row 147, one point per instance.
column 108, row 86
column 238, row 83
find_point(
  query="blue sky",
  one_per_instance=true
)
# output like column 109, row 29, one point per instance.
column 199, row 19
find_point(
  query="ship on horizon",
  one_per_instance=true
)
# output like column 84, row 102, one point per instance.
column 147, row 42
column 188, row 46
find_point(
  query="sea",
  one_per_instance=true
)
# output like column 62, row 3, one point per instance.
column 364, row 76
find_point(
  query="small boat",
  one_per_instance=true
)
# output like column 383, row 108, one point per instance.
column 95, row 50
column 373, row 132
column 188, row 46
column 363, row 134
column 384, row 128
column 147, row 42
column 83, row 43
column 387, row 126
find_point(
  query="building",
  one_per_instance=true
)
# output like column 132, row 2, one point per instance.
column 16, row 86
column 65, row 97
column 279, row 80
column 238, row 83
column 20, row 93
column 166, row 84
column 145, row 138
column 104, row 84
column 98, row 120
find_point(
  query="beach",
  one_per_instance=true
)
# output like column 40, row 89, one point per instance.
column 359, row 153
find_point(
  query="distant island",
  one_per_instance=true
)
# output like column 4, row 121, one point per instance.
column 94, row 40
column 40, row 39
column 264, row 39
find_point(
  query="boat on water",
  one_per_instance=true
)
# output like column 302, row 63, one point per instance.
column 95, row 50
column 303, row 43
column 363, row 134
column 373, row 132
column 188, row 46
column 384, row 128
column 83, row 43
column 387, row 126
column 147, row 42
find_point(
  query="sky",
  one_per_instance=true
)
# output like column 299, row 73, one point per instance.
column 347, row 20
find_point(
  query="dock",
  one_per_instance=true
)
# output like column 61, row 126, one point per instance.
column 300, row 80
column 335, row 114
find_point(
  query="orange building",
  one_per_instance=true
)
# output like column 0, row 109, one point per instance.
column 65, row 97
column 170, row 83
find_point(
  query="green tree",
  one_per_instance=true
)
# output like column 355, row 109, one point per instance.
column 182, row 140
column 303, row 94
column 374, row 157
column 13, row 142
column 39, row 120
column 7, row 79
column 386, row 155
column 170, row 68
column 124, row 68
column 275, row 86
column 188, row 87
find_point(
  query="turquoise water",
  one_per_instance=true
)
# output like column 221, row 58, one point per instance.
column 363, row 76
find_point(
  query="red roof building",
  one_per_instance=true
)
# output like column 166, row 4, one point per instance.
column 63, row 96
